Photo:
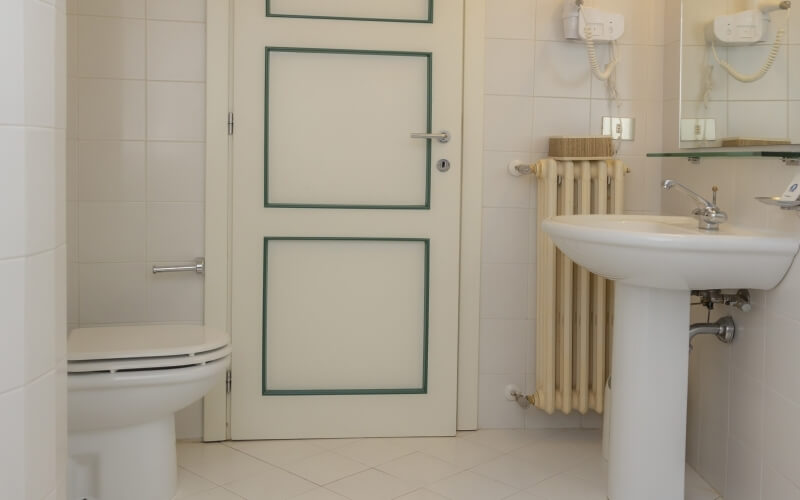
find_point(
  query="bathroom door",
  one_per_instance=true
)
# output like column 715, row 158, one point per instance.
column 345, row 257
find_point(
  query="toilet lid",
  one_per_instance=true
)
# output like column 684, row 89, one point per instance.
column 118, row 348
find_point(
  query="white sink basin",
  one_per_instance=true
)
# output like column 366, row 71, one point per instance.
column 655, row 261
column 672, row 253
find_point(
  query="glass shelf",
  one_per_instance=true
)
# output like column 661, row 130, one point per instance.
column 696, row 156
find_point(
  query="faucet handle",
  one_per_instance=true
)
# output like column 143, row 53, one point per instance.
column 714, row 189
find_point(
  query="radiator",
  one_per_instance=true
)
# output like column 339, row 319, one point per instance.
column 574, row 307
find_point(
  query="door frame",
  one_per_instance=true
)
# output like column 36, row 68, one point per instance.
column 218, row 203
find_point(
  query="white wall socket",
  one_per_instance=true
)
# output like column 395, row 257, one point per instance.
column 698, row 129
column 619, row 128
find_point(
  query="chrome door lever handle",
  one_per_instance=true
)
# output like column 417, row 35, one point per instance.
column 443, row 136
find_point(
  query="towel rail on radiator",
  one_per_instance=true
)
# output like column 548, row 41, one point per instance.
column 574, row 307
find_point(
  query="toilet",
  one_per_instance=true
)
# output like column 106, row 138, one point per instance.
column 125, row 384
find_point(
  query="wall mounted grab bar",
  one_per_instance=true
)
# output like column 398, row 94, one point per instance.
column 199, row 267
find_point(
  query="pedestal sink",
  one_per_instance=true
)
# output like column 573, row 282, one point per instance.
column 656, row 261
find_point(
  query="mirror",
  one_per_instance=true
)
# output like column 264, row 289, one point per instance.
column 740, row 73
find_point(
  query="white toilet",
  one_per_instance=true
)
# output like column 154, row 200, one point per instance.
column 125, row 384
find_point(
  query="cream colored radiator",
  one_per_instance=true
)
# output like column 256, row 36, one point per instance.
column 574, row 307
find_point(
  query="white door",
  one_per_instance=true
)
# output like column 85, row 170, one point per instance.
column 345, row 258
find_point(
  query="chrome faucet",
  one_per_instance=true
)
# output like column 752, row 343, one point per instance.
column 709, row 215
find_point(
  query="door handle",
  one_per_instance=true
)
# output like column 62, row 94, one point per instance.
column 443, row 136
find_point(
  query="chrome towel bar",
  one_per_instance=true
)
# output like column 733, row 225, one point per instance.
column 199, row 267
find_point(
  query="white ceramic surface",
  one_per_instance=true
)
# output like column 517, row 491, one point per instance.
column 656, row 260
column 672, row 253
column 121, row 423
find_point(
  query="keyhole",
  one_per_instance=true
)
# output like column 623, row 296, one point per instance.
column 443, row 165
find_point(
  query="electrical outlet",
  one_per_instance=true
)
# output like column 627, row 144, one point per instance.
column 619, row 128
column 698, row 129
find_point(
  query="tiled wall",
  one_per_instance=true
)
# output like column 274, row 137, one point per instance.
column 539, row 85
column 33, row 426
column 136, row 164
column 135, row 159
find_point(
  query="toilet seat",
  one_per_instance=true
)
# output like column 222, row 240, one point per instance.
column 146, row 347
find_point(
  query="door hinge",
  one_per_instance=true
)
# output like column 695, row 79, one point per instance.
column 230, row 123
column 228, row 382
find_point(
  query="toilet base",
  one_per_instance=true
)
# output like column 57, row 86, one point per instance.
column 128, row 463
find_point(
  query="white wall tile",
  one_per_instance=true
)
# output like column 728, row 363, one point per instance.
column 111, row 47
column 746, row 412
column 12, row 425
column 494, row 410
column 40, row 437
column 503, row 345
column 12, row 312
column 111, row 109
column 510, row 19
column 12, row 192
column 506, row 235
column 500, row 189
column 549, row 25
column 554, row 117
column 504, row 291
column 174, row 297
column 562, row 70
column 508, row 121
column 111, row 232
column 758, row 119
column 509, row 67
column 111, row 171
column 176, row 111
column 40, row 64
column 177, row 10
column 782, row 371
column 175, row 231
column 772, row 86
column 40, row 314
column 116, row 8
column 40, row 189
column 744, row 474
column 777, row 487
column 175, row 171
column 781, row 435
column 113, row 293
column 12, row 59
column 176, row 51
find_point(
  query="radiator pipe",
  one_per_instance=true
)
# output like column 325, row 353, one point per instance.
column 724, row 329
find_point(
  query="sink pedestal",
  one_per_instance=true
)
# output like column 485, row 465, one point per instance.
column 650, row 374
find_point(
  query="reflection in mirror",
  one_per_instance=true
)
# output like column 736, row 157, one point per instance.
column 740, row 73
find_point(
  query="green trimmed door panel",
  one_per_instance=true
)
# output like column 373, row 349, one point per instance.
column 402, row 11
column 345, row 242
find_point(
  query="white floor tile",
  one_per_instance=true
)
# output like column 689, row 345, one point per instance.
column 461, row 452
column 419, row 469
column 470, row 486
column 218, row 463
column 320, row 494
column 215, row 494
column 516, row 471
column 190, row 483
column 422, row 494
column 374, row 452
column 325, row 468
column 330, row 444
column 505, row 440
column 270, row 484
column 371, row 485
column 568, row 487
column 277, row 452
column 504, row 464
